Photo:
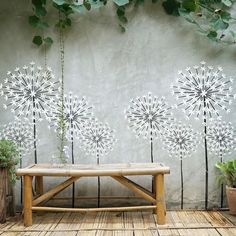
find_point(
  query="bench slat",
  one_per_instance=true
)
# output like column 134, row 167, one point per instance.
column 94, row 170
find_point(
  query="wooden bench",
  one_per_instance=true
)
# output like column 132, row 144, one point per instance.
column 116, row 171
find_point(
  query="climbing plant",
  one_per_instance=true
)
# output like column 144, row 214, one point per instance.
column 211, row 18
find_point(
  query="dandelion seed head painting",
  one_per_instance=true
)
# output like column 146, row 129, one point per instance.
column 147, row 115
column 221, row 138
column 19, row 132
column 203, row 91
column 97, row 138
column 29, row 91
column 180, row 140
column 76, row 112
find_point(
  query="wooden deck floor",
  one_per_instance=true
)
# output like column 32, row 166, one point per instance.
column 179, row 223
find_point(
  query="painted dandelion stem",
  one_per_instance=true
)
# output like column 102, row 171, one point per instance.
column 182, row 183
column 180, row 141
column 221, row 138
column 97, row 139
column 21, row 182
column 73, row 162
column 203, row 91
column 99, row 182
column 35, row 143
column 206, row 161
column 151, row 142
column 221, row 188
column 151, row 149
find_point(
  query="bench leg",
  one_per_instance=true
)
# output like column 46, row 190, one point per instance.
column 160, row 198
column 27, row 200
column 154, row 191
column 39, row 185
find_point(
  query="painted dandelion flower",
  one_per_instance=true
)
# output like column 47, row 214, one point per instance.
column 221, row 138
column 67, row 116
column 180, row 140
column 203, row 91
column 147, row 115
column 97, row 138
column 76, row 113
column 29, row 91
column 19, row 132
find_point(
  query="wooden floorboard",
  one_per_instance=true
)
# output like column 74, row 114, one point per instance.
column 179, row 223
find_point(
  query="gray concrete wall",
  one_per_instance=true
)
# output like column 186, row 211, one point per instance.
column 110, row 68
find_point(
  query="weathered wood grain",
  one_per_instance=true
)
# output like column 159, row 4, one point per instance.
column 3, row 193
column 94, row 170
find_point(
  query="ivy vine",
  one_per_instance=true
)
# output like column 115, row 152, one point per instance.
column 211, row 18
column 62, row 131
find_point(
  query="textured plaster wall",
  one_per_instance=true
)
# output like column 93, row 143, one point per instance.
column 110, row 68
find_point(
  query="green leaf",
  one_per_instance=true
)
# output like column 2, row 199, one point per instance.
column 59, row 2
column 78, row 8
column 225, row 16
column 40, row 11
column 121, row 14
column 48, row 41
column 33, row 21
column 120, row 11
column 68, row 21
column 189, row 5
column 37, row 40
column 228, row 172
column 122, row 28
column 64, row 8
column 171, row 7
column 87, row 5
column 37, row 3
column 154, row 1
column 97, row 4
column 227, row 3
column 121, row 2
column 217, row 23
column 123, row 19
column 212, row 35
column 138, row 2
column 184, row 13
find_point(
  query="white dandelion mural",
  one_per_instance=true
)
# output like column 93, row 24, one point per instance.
column 203, row 92
column 97, row 140
column 180, row 141
column 29, row 92
column 221, row 139
column 76, row 112
column 147, row 116
column 19, row 132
